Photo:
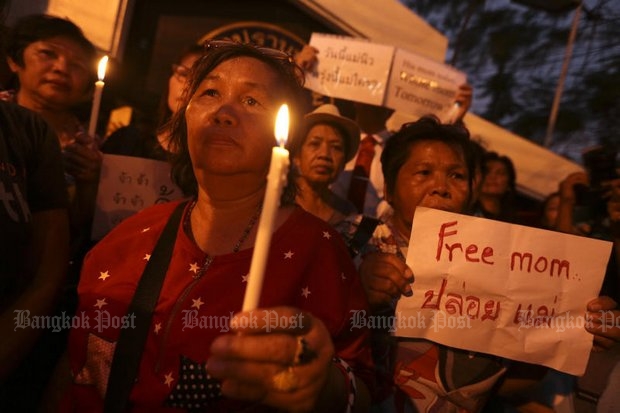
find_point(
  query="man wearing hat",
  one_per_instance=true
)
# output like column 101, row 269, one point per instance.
column 328, row 141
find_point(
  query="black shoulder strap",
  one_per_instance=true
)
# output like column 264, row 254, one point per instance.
column 363, row 233
column 131, row 341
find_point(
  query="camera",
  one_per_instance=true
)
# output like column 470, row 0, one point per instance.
column 600, row 164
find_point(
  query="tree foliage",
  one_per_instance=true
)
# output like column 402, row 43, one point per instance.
column 513, row 57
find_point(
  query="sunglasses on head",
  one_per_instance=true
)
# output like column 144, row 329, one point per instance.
column 265, row 51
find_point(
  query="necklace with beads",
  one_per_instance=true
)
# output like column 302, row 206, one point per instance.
column 209, row 258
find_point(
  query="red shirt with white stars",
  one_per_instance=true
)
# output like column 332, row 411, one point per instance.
column 308, row 268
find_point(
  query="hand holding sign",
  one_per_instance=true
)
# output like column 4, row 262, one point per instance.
column 520, row 291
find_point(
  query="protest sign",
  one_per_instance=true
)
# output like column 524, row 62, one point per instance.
column 420, row 86
column 507, row 290
column 350, row 68
column 126, row 185
column 362, row 71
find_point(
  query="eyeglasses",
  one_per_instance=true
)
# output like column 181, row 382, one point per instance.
column 265, row 51
column 180, row 72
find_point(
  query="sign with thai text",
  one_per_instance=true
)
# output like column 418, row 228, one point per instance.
column 350, row 68
column 362, row 71
column 126, row 185
column 507, row 290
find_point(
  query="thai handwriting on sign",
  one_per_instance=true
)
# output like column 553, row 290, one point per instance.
column 522, row 261
column 471, row 306
column 348, row 56
column 126, row 178
column 335, row 76
column 164, row 194
column 453, row 304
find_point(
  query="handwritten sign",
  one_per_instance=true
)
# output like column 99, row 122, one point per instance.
column 350, row 68
column 358, row 70
column 508, row 290
column 420, row 86
column 126, row 185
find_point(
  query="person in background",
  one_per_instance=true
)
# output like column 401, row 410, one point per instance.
column 328, row 141
column 34, row 250
column 478, row 152
column 223, row 139
column 549, row 211
column 498, row 189
column 143, row 142
column 54, row 67
column 362, row 180
column 567, row 220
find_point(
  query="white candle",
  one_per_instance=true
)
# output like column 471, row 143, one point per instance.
column 276, row 181
column 94, row 111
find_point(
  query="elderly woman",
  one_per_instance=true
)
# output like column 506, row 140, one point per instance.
column 327, row 142
column 432, row 165
column 297, row 352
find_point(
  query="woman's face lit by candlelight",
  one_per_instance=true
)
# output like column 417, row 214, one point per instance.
column 230, row 119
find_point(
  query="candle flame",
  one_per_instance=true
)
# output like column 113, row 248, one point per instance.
column 103, row 63
column 282, row 121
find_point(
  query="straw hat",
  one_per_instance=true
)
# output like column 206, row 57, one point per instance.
column 329, row 114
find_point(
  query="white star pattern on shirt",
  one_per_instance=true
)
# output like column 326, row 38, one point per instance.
column 100, row 303
column 344, row 277
column 193, row 267
column 305, row 292
column 145, row 229
column 157, row 328
column 244, row 278
column 168, row 379
column 288, row 255
column 103, row 275
column 327, row 235
column 147, row 257
column 197, row 303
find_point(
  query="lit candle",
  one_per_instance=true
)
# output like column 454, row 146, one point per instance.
column 94, row 111
column 276, row 181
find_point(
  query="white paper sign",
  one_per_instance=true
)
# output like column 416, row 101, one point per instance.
column 128, row 184
column 508, row 290
column 358, row 70
column 420, row 86
column 350, row 68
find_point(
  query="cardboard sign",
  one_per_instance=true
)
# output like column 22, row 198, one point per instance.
column 358, row 70
column 502, row 289
column 126, row 185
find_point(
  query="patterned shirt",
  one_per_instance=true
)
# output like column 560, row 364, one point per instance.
column 312, row 272
column 416, row 375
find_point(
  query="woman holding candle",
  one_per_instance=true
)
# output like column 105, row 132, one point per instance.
column 291, row 352
column 54, row 66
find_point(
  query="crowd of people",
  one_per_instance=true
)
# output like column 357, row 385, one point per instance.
column 175, row 274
